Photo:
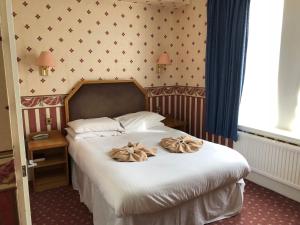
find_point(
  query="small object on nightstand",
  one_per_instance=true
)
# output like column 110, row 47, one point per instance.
column 38, row 160
column 51, row 158
column 173, row 123
column 40, row 136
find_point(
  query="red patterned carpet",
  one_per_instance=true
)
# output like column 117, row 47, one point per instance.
column 61, row 206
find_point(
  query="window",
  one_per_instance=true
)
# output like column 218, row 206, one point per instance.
column 271, row 95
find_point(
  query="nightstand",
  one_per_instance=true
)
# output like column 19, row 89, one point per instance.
column 173, row 123
column 51, row 158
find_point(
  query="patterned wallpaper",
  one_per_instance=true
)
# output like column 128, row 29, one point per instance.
column 167, row 3
column 105, row 39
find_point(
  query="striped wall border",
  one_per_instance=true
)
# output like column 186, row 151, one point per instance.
column 176, row 90
column 179, row 102
column 35, row 110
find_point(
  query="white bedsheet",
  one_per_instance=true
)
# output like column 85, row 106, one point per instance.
column 221, row 203
column 163, row 181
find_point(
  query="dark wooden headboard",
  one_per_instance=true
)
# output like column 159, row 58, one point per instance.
column 111, row 98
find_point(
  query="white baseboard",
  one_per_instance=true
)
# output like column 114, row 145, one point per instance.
column 280, row 188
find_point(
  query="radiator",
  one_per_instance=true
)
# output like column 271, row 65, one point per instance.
column 274, row 159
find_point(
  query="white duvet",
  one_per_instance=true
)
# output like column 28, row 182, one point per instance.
column 163, row 181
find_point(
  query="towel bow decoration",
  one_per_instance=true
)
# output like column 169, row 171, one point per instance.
column 183, row 144
column 132, row 152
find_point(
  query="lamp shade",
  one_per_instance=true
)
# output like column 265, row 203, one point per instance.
column 164, row 59
column 45, row 59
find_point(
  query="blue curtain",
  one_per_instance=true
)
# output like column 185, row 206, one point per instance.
column 227, row 35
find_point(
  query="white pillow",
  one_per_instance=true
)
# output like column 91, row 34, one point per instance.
column 95, row 125
column 140, row 120
column 78, row 136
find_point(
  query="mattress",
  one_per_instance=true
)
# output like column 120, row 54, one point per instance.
column 162, row 182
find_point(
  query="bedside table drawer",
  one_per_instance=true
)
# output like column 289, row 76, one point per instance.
column 50, row 177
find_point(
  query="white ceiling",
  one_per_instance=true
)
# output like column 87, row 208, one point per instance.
column 164, row 3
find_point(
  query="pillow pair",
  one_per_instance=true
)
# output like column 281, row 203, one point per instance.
column 140, row 121
column 98, row 127
column 104, row 126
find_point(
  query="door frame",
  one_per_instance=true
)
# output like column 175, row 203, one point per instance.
column 15, row 113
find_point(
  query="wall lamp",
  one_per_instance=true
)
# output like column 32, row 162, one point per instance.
column 45, row 61
column 162, row 61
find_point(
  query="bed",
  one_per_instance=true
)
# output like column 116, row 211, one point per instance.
column 179, row 189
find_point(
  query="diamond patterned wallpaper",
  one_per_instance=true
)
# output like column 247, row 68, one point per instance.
column 104, row 39
column 167, row 3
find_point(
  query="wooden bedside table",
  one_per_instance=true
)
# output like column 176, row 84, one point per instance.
column 173, row 123
column 53, row 171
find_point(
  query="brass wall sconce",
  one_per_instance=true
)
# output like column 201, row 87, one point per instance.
column 162, row 61
column 45, row 61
